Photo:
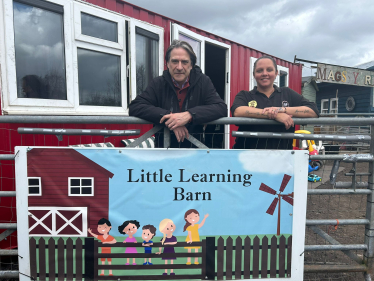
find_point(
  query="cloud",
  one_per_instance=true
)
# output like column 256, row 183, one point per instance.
column 142, row 155
column 337, row 32
column 276, row 162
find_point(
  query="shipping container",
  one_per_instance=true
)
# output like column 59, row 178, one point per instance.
column 69, row 57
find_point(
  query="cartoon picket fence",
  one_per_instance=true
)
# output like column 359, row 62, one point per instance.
column 62, row 259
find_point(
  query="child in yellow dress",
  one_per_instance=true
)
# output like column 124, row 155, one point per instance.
column 192, row 218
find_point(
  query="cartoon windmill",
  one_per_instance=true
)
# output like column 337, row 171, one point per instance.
column 286, row 197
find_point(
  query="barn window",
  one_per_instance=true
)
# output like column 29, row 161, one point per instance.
column 324, row 106
column 68, row 57
column 35, row 186
column 81, row 186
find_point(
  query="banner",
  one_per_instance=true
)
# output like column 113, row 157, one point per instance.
column 344, row 75
column 157, row 214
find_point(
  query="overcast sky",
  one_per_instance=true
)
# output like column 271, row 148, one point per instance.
column 330, row 31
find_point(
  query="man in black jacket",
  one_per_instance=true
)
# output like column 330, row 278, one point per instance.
column 183, row 97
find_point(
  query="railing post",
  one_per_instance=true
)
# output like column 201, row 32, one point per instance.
column 369, row 229
column 166, row 137
column 89, row 258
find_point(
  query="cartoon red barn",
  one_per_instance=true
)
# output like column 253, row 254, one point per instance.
column 67, row 192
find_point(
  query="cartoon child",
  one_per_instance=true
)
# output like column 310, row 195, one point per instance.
column 149, row 231
column 103, row 227
column 130, row 228
column 192, row 217
column 167, row 228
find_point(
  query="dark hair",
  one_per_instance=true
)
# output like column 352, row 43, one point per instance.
column 126, row 223
column 265, row 57
column 104, row 221
column 190, row 211
column 184, row 45
column 151, row 228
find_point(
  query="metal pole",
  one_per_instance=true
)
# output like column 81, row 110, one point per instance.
column 8, row 226
column 369, row 228
column 268, row 135
column 350, row 247
column 341, row 222
column 9, row 274
column 328, row 238
column 7, row 156
column 7, row 194
column 338, row 191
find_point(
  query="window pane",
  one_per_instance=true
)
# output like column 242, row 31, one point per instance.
column 75, row 182
column 146, row 61
column 99, row 28
column 86, row 190
column 33, row 181
column 282, row 78
column 75, row 190
column 33, row 190
column 86, row 182
column 40, row 57
column 196, row 46
column 99, row 76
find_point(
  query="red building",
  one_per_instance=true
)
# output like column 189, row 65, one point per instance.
column 67, row 192
column 67, row 57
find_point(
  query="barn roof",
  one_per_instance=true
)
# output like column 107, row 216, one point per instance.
column 55, row 152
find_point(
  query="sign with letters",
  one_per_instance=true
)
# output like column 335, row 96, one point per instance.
column 344, row 75
column 160, row 214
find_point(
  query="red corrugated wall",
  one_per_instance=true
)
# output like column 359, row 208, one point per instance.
column 240, row 57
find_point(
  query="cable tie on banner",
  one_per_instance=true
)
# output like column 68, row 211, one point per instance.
column 333, row 226
column 32, row 278
column 20, row 256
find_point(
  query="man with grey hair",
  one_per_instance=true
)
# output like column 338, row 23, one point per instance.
column 183, row 98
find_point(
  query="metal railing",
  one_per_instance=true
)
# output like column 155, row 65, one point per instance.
column 364, row 263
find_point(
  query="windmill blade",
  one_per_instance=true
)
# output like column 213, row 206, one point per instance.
column 267, row 189
column 288, row 199
column 286, row 179
column 272, row 207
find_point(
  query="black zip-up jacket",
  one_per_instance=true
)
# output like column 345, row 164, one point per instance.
column 160, row 98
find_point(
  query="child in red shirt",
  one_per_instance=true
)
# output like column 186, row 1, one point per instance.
column 103, row 227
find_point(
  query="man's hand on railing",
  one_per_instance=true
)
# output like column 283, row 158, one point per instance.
column 181, row 133
column 174, row 120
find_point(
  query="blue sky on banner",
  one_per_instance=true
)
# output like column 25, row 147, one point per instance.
column 234, row 209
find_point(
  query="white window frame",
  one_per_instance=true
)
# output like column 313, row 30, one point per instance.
column 284, row 69
column 151, row 28
column 252, row 80
column 84, row 8
column 177, row 29
column 103, row 46
column 40, row 186
column 11, row 103
column 81, row 178
column 334, row 109
column 73, row 39
column 324, row 101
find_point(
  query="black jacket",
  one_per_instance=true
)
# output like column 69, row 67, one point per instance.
column 160, row 98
